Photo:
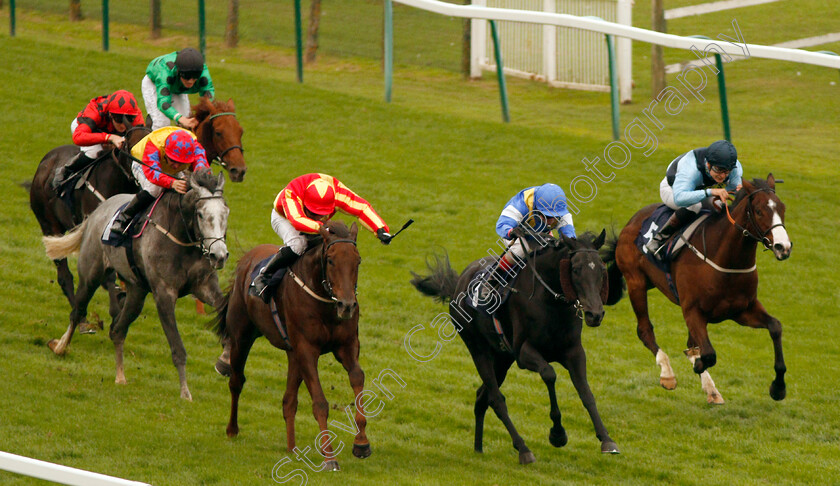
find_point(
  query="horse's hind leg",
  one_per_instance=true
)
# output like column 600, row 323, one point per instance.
column 755, row 316
column 77, row 315
column 133, row 304
column 65, row 279
column 240, row 348
column 290, row 400
column 348, row 356
column 637, row 290
column 575, row 362
column 482, row 401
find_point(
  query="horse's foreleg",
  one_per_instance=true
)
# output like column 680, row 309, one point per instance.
column 165, row 301
column 307, row 357
column 756, row 316
column 644, row 329
column 290, row 400
column 348, row 356
column 575, row 362
column 531, row 359
column 65, row 279
column 212, row 294
column 699, row 335
column 133, row 304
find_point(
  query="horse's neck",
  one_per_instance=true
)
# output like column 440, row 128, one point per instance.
column 169, row 214
column 729, row 246
column 308, row 267
column 205, row 138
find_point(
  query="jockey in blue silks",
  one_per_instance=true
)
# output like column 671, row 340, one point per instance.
column 542, row 209
column 712, row 171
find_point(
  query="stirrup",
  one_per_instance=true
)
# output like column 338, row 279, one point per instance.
column 257, row 287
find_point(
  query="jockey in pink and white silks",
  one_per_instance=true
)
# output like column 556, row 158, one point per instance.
column 712, row 171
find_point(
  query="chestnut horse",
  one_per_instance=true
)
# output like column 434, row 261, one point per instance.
column 316, row 301
column 715, row 280
column 544, row 326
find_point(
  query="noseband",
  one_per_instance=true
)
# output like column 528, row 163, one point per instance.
column 201, row 241
column 220, row 159
column 752, row 221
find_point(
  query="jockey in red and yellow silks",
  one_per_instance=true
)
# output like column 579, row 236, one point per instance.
column 302, row 207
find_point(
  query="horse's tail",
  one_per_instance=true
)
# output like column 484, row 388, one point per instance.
column 616, row 280
column 442, row 280
column 219, row 322
column 59, row 247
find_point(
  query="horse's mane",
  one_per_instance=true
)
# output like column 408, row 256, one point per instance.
column 587, row 238
column 338, row 228
column 759, row 184
column 205, row 179
column 205, row 107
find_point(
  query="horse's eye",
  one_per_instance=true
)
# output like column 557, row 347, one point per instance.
column 218, row 133
column 200, row 215
column 330, row 261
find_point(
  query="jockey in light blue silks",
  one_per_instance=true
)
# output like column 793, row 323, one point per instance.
column 542, row 208
column 712, row 171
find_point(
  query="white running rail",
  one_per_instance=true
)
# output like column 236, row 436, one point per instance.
column 59, row 474
column 635, row 33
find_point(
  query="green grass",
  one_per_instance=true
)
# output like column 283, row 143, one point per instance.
column 439, row 154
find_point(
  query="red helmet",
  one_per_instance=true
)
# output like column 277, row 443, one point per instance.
column 181, row 147
column 319, row 197
column 122, row 102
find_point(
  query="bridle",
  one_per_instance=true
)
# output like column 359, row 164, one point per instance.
column 557, row 295
column 201, row 241
column 220, row 158
column 762, row 238
column 325, row 281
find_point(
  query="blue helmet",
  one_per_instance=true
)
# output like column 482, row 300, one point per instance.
column 550, row 200
column 722, row 154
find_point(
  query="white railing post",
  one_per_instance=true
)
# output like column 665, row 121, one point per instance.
column 478, row 42
column 624, row 48
column 550, row 44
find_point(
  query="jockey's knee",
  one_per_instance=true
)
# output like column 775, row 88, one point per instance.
column 298, row 244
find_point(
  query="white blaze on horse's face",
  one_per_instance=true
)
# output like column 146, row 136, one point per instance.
column 781, row 241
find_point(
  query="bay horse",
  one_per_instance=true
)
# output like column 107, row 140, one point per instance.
column 542, row 324
column 715, row 281
column 316, row 302
column 220, row 133
column 178, row 253
column 110, row 175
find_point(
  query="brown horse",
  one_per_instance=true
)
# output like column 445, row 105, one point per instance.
column 715, row 280
column 220, row 133
column 316, row 301
column 110, row 175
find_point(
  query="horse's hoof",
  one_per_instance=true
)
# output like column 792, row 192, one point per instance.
column 186, row 395
column 89, row 327
column 527, row 458
column 777, row 392
column 331, row 466
column 715, row 399
column 222, row 368
column 558, row 439
column 232, row 431
column 609, row 447
column 120, row 380
column 52, row 345
column 362, row 450
column 668, row 383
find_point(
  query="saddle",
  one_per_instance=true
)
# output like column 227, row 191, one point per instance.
column 673, row 245
column 488, row 290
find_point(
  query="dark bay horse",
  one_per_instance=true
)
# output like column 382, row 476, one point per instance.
column 110, row 175
column 542, row 324
column 177, row 254
column 721, row 286
column 316, row 301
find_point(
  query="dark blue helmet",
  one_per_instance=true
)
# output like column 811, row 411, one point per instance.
column 722, row 154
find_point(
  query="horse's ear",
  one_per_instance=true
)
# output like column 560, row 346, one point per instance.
column 570, row 243
column 599, row 241
column 771, row 181
column 193, row 182
column 748, row 186
column 354, row 230
column 231, row 105
column 324, row 231
column 220, row 182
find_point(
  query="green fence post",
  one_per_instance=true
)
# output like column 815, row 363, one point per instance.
column 389, row 49
column 724, row 107
column 202, row 33
column 298, row 42
column 12, row 18
column 497, row 51
column 105, row 25
column 613, row 86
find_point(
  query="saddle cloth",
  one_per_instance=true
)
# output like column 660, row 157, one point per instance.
column 673, row 245
column 134, row 229
column 275, row 279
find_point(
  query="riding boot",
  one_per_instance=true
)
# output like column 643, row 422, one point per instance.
column 282, row 259
column 62, row 173
column 653, row 246
column 141, row 200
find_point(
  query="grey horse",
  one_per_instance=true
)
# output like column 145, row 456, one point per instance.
column 177, row 254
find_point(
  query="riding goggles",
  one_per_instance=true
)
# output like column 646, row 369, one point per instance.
column 123, row 118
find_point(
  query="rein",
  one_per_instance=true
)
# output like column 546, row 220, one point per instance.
column 324, row 280
column 199, row 242
column 751, row 220
column 220, row 159
column 557, row 295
